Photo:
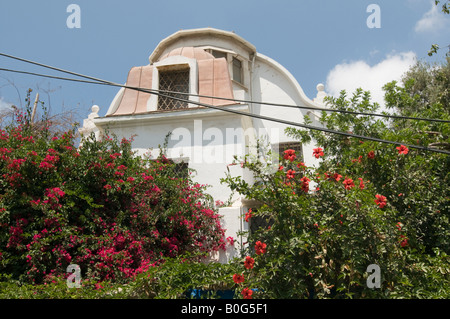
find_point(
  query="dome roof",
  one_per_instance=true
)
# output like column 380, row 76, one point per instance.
column 213, row 80
column 189, row 52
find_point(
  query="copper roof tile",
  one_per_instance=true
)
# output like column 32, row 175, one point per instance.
column 213, row 80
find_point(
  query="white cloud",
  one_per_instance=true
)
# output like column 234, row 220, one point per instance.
column 433, row 20
column 3, row 104
column 359, row 74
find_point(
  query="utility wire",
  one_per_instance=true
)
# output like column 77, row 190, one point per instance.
column 290, row 123
column 208, row 96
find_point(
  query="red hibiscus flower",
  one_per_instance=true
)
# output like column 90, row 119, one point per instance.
column 248, row 215
column 318, row 152
column 337, row 177
column 305, row 179
column 238, row 278
column 290, row 174
column 305, row 187
column 380, row 201
column 402, row 149
column 361, row 183
column 249, row 262
column 247, row 293
column 301, row 165
column 371, row 154
column 260, row 248
column 348, row 183
column 404, row 242
column 289, row 155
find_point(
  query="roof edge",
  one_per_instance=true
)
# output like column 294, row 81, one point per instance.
column 200, row 31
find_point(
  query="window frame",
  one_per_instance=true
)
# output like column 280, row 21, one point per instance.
column 163, row 104
column 174, row 63
column 241, row 70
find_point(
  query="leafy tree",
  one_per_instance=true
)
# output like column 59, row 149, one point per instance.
column 366, row 203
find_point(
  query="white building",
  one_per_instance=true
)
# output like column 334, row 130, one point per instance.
column 208, row 63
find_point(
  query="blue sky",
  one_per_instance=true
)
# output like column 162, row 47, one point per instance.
column 320, row 41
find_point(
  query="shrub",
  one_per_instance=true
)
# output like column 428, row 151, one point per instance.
column 100, row 206
column 364, row 204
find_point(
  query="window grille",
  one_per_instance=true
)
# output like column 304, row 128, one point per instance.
column 182, row 170
column 175, row 81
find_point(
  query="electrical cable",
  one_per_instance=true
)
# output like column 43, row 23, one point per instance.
column 290, row 123
column 214, row 97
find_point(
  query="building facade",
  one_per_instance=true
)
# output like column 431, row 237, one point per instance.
column 198, row 75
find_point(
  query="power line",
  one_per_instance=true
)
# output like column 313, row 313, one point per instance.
column 290, row 123
column 206, row 96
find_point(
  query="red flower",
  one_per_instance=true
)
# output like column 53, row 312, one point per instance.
column 260, row 248
column 290, row 174
column 248, row 215
column 371, row 154
column 238, row 278
column 404, row 242
column 301, row 165
column 305, row 179
column 289, row 155
column 402, row 149
column 318, row 152
column 247, row 293
column 98, row 286
column 361, row 183
column 249, row 262
column 305, row 187
column 380, row 201
column 348, row 183
column 337, row 177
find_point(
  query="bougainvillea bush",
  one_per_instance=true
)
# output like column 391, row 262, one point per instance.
column 99, row 206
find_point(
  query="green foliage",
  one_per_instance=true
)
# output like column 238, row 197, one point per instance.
column 100, row 206
column 174, row 279
column 367, row 203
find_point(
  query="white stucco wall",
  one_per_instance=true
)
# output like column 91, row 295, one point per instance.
column 209, row 138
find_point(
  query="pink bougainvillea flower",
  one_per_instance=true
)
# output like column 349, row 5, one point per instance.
column 380, row 201
column 348, row 183
column 318, row 152
column 402, row 149
column 289, row 155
